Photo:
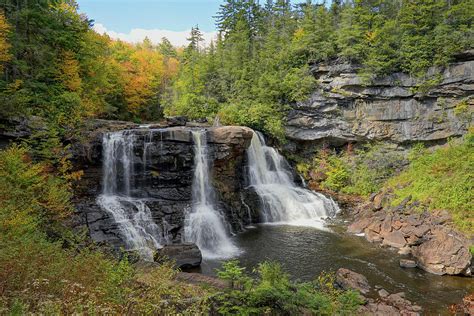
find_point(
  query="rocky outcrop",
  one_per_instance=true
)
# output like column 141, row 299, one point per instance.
column 184, row 256
column 378, row 302
column 435, row 246
column 399, row 109
column 350, row 280
column 445, row 253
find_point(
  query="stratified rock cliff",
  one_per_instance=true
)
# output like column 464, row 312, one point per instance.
column 398, row 109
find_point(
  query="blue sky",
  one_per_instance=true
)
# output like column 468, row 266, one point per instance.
column 132, row 20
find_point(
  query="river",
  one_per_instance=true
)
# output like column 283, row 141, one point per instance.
column 305, row 252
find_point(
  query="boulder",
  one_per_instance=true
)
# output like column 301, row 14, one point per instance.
column 185, row 255
column 404, row 251
column 386, row 226
column 231, row 135
column 406, row 263
column 447, row 252
column 176, row 121
column 372, row 236
column 358, row 226
column 395, row 239
column 350, row 280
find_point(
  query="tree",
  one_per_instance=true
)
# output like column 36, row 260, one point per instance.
column 4, row 44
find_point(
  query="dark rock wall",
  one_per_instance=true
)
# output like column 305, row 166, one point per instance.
column 166, row 182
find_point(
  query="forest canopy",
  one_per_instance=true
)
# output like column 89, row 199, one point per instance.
column 55, row 66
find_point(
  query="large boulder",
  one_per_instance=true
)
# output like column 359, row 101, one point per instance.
column 447, row 252
column 350, row 280
column 185, row 255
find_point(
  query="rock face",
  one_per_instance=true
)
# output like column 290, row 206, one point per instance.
column 346, row 108
column 163, row 162
column 185, row 255
column 427, row 236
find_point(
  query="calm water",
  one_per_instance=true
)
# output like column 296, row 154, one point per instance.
column 306, row 252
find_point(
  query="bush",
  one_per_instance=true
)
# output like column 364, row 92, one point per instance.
column 256, row 115
column 272, row 292
column 361, row 173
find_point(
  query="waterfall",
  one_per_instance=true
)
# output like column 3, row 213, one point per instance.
column 205, row 225
column 282, row 201
column 132, row 215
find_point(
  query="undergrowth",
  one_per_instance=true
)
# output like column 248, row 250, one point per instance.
column 437, row 179
column 272, row 293
column 46, row 269
column 441, row 179
column 361, row 172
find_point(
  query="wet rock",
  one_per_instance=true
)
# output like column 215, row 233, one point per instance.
column 348, row 279
column 406, row 263
column 390, row 304
column 394, row 239
column 358, row 226
column 162, row 175
column 405, row 251
column 176, row 121
column 465, row 307
column 185, row 256
column 447, row 252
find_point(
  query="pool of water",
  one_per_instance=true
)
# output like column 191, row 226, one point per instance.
column 305, row 252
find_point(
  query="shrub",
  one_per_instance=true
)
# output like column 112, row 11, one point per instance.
column 273, row 293
column 361, row 173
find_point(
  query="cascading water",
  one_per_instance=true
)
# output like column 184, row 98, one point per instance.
column 205, row 225
column 282, row 201
column 132, row 215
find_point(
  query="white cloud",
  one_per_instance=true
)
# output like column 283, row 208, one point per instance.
column 155, row 35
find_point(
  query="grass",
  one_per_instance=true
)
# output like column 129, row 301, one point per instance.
column 441, row 179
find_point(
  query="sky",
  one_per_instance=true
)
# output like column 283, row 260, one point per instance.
column 133, row 20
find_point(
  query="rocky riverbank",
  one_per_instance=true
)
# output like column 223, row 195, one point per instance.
column 377, row 301
column 426, row 238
